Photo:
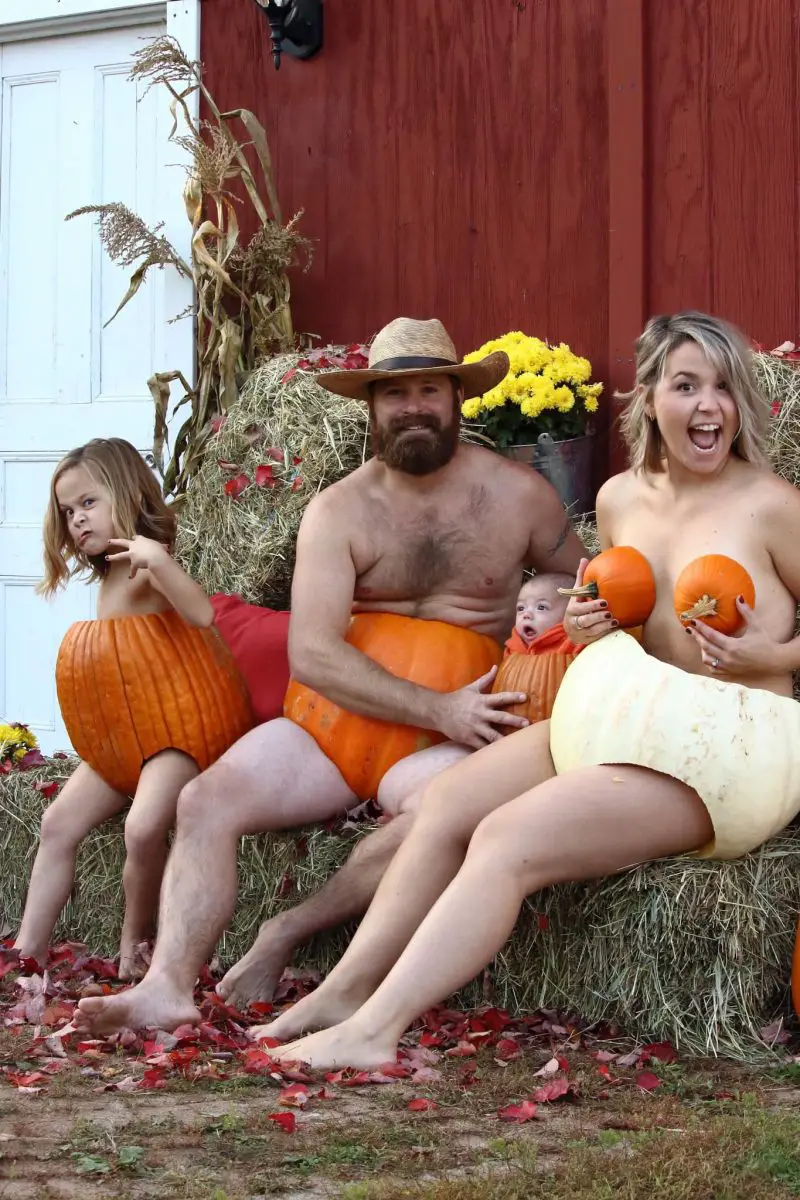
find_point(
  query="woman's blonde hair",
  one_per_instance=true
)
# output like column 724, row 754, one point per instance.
column 137, row 506
column 727, row 351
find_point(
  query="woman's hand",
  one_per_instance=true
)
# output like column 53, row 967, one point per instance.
column 587, row 620
column 751, row 652
column 142, row 553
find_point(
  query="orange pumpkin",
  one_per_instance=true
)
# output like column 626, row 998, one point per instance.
column 130, row 687
column 432, row 654
column 622, row 577
column 537, row 671
column 707, row 588
column 796, row 974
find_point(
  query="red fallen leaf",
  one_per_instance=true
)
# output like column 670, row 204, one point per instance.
column 34, row 758
column 542, row 921
column 419, row 1104
column 218, row 421
column 550, row 1067
column 103, row 968
column 553, row 1091
column 276, row 454
column 468, row 1077
column 297, row 483
column 57, row 1012
column 296, row 460
column 347, row 1077
column 286, row 884
column 262, row 1009
column 265, row 476
column 394, row 1070
column 224, row 465
column 287, row 1121
column 629, row 1060
column 775, row 408
column 604, row 1056
column 518, row 1113
column 290, row 374
column 255, row 1061
column 29, row 1080
column 293, row 1097
column 235, row 487
column 431, row 1039
column 662, row 1051
column 495, row 1019
column 462, row 1050
column 425, row 1075
column 48, row 790
column 725, row 1096
column 153, row 1078
column 507, row 1049
column 603, row 1070
column 647, row 1081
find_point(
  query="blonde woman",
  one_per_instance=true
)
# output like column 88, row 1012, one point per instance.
column 107, row 520
column 687, row 744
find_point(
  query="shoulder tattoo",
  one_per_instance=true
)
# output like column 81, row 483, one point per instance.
column 562, row 537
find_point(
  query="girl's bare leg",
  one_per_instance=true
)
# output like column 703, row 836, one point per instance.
column 453, row 806
column 582, row 825
column 147, row 827
column 84, row 802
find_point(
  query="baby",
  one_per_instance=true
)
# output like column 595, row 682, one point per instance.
column 539, row 607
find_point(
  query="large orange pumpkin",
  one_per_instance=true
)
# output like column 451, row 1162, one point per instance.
column 796, row 974
column 707, row 588
column 432, row 654
column 622, row 577
column 537, row 671
column 130, row 687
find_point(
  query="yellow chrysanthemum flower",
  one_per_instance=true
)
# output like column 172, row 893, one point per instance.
column 590, row 404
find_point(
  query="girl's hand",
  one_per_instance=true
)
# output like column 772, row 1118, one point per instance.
column 587, row 620
column 141, row 552
column 751, row 652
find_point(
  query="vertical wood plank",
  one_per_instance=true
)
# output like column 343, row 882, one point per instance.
column 627, row 287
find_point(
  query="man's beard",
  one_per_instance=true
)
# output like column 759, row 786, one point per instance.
column 418, row 453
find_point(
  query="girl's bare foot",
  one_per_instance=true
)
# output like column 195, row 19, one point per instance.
column 320, row 1009
column 343, row 1045
column 39, row 955
column 153, row 1004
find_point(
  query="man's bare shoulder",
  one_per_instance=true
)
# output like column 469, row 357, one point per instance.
column 345, row 497
column 490, row 467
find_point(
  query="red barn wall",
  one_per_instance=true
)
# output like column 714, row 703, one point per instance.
column 565, row 167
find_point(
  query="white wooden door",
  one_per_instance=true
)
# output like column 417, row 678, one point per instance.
column 73, row 131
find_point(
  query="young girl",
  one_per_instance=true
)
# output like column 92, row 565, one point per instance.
column 149, row 694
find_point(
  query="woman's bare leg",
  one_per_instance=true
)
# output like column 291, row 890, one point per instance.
column 583, row 825
column 147, row 827
column 84, row 802
column 453, row 806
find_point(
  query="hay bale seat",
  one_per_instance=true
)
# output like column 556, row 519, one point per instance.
column 695, row 952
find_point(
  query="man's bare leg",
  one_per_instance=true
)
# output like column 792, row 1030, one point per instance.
column 453, row 806
column 273, row 778
column 348, row 893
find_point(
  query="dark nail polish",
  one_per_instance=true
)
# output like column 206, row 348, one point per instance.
column 615, row 624
column 607, row 616
column 741, row 599
column 689, row 632
column 603, row 604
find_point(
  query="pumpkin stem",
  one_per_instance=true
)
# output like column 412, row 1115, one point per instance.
column 706, row 606
column 588, row 589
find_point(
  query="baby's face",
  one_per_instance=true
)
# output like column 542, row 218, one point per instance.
column 539, row 608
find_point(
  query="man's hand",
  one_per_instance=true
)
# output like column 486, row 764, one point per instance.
column 469, row 715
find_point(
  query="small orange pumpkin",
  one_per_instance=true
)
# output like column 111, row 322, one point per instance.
column 707, row 588
column 130, row 687
column 537, row 671
column 796, row 973
column 432, row 654
column 622, row 577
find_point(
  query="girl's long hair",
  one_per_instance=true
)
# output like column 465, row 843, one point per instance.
column 137, row 506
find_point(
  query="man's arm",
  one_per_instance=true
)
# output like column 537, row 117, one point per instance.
column 322, row 596
column 554, row 544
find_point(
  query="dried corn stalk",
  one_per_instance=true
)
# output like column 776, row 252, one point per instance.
column 242, row 312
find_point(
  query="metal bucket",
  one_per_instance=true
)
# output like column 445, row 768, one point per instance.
column 567, row 465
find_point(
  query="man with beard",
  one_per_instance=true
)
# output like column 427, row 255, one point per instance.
column 430, row 529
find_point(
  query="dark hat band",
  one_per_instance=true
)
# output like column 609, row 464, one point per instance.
column 410, row 362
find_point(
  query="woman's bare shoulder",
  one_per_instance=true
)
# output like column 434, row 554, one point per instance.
column 618, row 490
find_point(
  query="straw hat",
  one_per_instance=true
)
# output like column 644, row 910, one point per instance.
column 408, row 347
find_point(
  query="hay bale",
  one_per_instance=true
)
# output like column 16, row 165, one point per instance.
column 247, row 544
column 693, row 951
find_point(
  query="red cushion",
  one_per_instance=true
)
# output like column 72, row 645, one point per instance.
column 258, row 640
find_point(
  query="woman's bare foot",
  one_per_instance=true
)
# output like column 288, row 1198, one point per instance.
column 318, row 1010
column 39, row 955
column 343, row 1045
column 255, row 976
column 153, row 1004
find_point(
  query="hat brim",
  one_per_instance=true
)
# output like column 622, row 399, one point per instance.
column 476, row 378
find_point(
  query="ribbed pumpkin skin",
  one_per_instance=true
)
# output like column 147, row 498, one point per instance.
column 796, row 974
column 539, row 676
column 432, row 654
column 717, row 578
column 130, row 687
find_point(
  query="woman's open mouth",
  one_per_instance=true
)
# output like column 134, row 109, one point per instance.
column 705, row 438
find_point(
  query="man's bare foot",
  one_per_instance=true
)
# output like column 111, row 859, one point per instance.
column 255, row 976
column 318, row 1010
column 341, row 1046
column 152, row 1004
column 133, row 958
